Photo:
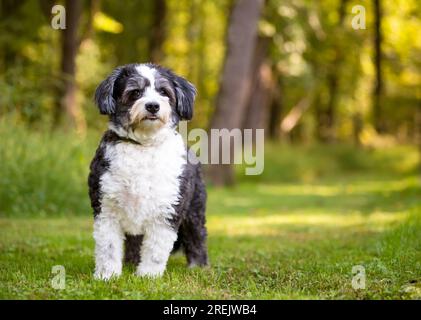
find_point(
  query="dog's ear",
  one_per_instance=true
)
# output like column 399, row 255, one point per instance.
column 104, row 93
column 185, row 93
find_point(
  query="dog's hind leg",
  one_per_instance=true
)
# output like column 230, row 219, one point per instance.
column 194, row 242
column 132, row 246
column 193, row 230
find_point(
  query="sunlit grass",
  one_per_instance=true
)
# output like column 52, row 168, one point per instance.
column 275, row 224
column 347, row 187
column 255, row 252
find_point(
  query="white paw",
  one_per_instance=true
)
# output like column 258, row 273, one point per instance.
column 150, row 270
column 106, row 274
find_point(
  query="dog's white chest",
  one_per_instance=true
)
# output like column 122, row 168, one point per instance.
column 142, row 183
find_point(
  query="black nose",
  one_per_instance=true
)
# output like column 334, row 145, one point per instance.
column 152, row 107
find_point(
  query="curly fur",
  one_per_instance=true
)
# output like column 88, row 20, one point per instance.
column 147, row 199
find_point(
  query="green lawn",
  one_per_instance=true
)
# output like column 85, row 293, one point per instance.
column 295, row 232
column 270, row 241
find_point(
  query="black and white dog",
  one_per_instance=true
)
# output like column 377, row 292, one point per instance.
column 145, row 195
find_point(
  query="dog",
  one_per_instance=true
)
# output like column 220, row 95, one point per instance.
column 148, row 199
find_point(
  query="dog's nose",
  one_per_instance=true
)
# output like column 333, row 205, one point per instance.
column 152, row 107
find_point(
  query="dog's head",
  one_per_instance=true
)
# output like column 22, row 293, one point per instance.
column 145, row 98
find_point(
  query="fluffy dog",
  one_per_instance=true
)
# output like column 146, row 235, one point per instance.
column 145, row 195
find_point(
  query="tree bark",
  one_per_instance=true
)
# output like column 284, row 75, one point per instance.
column 276, row 108
column 233, row 94
column 378, row 85
column 157, row 37
column 257, row 111
column 357, row 127
column 293, row 117
column 417, row 122
column 329, row 117
column 67, row 104
column 95, row 7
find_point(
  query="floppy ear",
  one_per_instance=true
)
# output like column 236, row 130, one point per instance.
column 185, row 93
column 104, row 93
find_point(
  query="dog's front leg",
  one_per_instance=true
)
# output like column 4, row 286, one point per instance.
column 157, row 244
column 108, row 248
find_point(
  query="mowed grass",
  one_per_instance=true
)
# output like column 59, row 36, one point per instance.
column 285, row 241
column 295, row 232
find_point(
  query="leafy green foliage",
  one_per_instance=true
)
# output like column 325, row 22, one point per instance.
column 43, row 172
column 310, row 46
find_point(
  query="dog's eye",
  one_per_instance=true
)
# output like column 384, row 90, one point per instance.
column 135, row 94
column 163, row 92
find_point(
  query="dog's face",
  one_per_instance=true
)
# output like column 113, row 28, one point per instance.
column 145, row 98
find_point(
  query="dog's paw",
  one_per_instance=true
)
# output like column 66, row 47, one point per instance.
column 200, row 261
column 195, row 264
column 151, row 270
column 106, row 274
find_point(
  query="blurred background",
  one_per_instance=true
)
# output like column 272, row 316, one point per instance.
column 321, row 77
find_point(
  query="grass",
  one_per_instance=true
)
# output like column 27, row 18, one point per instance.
column 293, row 233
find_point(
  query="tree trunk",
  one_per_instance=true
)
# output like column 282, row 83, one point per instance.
column 318, row 113
column 293, row 117
column 357, row 127
column 257, row 112
column 417, row 121
column 275, row 113
column 68, row 103
column 329, row 118
column 378, row 85
column 157, row 36
column 233, row 94
column 95, row 7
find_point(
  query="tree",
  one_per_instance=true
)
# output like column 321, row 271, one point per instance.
column 67, row 102
column 276, row 107
column 233, row 92
column 71, row 38
column 260, row 96
column 328, row 116
column 159, row 13
column 417, row 125
column 378, row 85
column 334, row 76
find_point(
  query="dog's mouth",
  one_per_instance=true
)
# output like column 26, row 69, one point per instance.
column 151, row 118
